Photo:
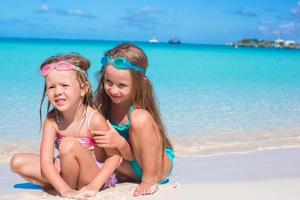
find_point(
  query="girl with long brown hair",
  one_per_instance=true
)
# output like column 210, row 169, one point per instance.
column 126, row 98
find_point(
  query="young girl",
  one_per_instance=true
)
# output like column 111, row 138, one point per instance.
column 126, row 98
column 67, row 126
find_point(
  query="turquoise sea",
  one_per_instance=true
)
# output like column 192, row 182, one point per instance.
column 213, row 99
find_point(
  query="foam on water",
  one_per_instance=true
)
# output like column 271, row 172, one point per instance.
column 229, row 142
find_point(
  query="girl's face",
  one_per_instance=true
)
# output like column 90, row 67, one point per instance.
column 63, row 89
column 117, row 84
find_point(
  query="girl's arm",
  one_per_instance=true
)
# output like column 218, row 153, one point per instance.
column 125, row 149
column 112, row 139
column 46, row 159
column 110, row 164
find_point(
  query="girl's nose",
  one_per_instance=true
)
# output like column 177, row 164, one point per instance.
column 114, row 90
column 58, row 91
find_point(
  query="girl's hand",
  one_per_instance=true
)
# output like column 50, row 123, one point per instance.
column 90, row 190
column 73, row 194
column 108, row 139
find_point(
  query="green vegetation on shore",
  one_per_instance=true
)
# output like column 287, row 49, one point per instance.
column 266, row 44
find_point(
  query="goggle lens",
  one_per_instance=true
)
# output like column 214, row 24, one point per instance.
column 61, row 66
column 120, row 63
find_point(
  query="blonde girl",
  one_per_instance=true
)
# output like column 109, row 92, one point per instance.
column 71, row 115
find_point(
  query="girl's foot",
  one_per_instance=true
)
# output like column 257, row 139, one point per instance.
column 145, row 189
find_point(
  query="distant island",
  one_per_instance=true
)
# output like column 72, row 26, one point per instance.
column 279, row 43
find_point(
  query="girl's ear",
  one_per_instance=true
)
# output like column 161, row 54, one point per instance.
column 84, row 88
column 145, row 80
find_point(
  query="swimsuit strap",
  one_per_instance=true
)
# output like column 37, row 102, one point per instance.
column 90, row 118
column 131, row 109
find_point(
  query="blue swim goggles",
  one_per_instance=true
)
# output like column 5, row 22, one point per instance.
column 120, row 63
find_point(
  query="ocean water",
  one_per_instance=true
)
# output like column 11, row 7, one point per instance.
column 213, row 99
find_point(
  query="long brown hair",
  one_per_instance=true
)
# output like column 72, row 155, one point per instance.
column 76, row 60
column 143, row 96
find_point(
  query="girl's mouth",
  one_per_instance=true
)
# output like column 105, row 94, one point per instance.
column 60, row 101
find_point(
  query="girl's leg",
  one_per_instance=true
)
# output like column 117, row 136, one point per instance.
column 125, row 172
column 67, row 159
column 78, row 166
column 28, row 166
column 147, row 147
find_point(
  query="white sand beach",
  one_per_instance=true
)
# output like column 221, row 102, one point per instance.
column 260, row 175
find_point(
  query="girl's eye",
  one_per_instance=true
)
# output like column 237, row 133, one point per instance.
column 50, row 87
column 106, row 81
column 122, row 85
column 65, row 85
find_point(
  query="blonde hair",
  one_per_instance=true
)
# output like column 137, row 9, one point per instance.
column 143, row 96
column 84, row 64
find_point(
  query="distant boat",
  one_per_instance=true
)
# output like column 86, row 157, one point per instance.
column 153, row 40
column 174, row 41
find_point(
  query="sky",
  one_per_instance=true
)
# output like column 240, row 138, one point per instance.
column 191, row 21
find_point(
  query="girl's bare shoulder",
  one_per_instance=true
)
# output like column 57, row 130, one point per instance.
column 97, row 121
column 140, row 117
column 50, row 122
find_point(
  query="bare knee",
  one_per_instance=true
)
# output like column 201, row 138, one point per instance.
column 67, row 146
column 144, row 130
column 16, row 162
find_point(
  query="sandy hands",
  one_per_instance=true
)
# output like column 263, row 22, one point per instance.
column 89, row 190
column 73, row 194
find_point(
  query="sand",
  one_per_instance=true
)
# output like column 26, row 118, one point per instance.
column 268, row 174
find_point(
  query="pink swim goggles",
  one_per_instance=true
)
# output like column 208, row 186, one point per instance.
column 61, row 66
